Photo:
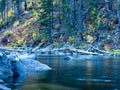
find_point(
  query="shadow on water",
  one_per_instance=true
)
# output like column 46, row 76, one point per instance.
column 95, row 73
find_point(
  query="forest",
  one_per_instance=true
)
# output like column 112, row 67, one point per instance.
column 59, row 44
column 80, row 23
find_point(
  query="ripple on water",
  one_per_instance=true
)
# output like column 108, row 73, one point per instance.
column 96, row 80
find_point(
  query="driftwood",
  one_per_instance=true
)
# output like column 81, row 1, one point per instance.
column 71, row 51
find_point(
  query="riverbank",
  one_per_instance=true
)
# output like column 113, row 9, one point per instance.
column 12, row 66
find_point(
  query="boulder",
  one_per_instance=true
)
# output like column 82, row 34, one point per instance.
column 12, row 65
column 5, row 67
column 17, row 68
column 34, row 66
column 25, row 63
column 2, row 86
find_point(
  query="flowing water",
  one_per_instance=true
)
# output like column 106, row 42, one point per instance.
column 94, row 73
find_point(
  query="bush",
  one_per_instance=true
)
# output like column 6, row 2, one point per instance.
column 1, row 22
column 33, row 13
column 7, row 33
column 57, row 26
column 16, row 24
column 71, row 40
column 29, row 5
column 11, row 13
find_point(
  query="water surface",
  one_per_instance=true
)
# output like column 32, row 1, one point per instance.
column 95, row 73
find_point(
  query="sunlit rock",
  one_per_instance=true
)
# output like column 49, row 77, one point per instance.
column 33, row 65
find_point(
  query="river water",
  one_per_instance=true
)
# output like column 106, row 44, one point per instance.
column 94, row 73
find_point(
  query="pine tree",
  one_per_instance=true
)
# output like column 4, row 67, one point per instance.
column 45, row 18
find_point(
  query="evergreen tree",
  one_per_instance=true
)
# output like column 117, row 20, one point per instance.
column 45, row 18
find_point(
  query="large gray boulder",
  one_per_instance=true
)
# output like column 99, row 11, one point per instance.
column 18, row 66
column 26, row 63
column 5, row 67
column 34, row 66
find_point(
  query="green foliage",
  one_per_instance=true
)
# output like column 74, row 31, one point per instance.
column 33, row 13
column 1, row 22
column 57, row 26
column 94, row 13
column 93, row 1
column 7, row 33
column 71, row 40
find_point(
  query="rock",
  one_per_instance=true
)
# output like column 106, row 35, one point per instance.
column 17, row 68
column 68, row 58
column 1, row 81
column 27, row 56
column 2, row 86
column 34, row 66
column 5, row 67
column 30, row 64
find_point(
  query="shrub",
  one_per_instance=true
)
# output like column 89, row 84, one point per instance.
column 57, row 26
column 7, row 33
column 29, row 5
column 33, row 13
column 16, row 24
column 11, row 13
column 71, row 40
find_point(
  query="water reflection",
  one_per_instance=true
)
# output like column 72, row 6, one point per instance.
column 96, row 73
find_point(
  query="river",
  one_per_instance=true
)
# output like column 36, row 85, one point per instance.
column 95, row 73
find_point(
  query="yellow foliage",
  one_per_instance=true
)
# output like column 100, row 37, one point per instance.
column 33, row 13
column 42, row 10
column 90, row 39
column 34, row 35
column 11, row 13
column 6, row 33
column 29, row 5
column 43, row 39
column 24, row 32
column 23, row 8
column 16, row 24
column 20, row 41
column 106, row 48
column 1, row 20
column 39, row 4
column 99, row 20
column 26, row 24
column 116, row 52
column 55, row 3
column 91, row 27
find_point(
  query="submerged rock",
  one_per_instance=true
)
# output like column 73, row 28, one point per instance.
column 68, row 58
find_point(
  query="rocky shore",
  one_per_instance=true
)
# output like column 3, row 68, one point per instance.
column 14, row 67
